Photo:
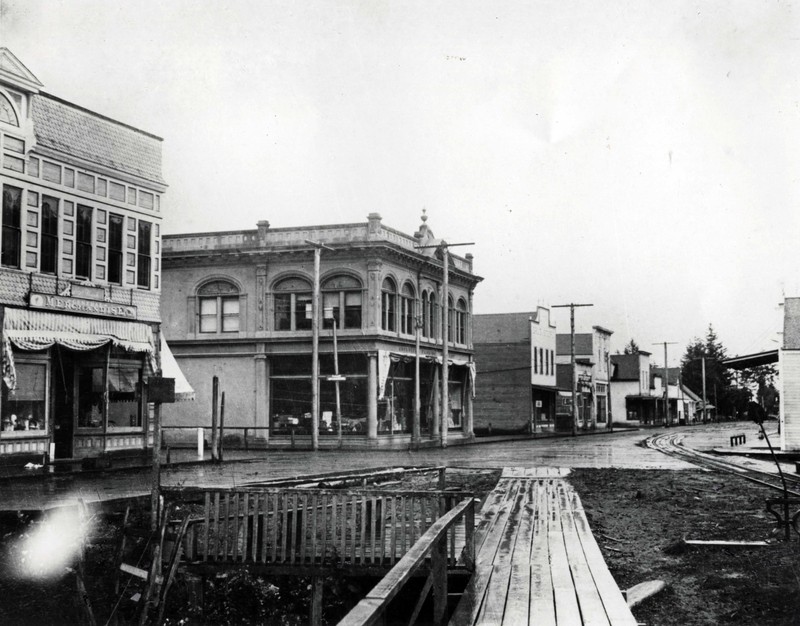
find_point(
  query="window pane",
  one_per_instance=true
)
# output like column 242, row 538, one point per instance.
column 352, row 310
column 208, row 315
column 230, row 314
column 302, row 311
column 283, row 311
column 12, row 201
column 24, row 408
column 123, row 398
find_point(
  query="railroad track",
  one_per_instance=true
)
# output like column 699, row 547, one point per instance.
column 671, row 444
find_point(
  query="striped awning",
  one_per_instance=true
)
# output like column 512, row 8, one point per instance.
column 39, row 330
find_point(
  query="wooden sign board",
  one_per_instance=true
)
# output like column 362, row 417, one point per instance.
column 161, row 390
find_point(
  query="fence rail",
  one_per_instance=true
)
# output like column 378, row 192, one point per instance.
column 314, row 527
column 433, row 544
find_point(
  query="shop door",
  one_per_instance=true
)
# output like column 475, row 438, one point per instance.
column 63, row 415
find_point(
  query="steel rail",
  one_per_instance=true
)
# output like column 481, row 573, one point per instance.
column 671, row 445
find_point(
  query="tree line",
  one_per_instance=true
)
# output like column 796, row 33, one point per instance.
column 734, row 394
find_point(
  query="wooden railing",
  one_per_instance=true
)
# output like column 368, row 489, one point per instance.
column 318, row 528
column 433, row 542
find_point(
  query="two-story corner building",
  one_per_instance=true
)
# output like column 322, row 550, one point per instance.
column 238, row 305
column 516, row 355
column 79, row 272
column 593, row 348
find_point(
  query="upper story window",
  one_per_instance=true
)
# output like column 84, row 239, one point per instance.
column 219, row 307
column 49, row 234
column 389, row 305
column 407, row 310
column 12, row 207
column 461, row 321
column 115, row 224
column 144, row 262
column 451, row 320
column 429, row 315
column 342, row 294
column 292, row 304
column 83, row 242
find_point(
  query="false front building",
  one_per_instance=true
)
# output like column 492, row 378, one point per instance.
column 238, row 305
column 79, row 273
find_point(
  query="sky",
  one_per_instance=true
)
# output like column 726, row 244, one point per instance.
column 638, row 156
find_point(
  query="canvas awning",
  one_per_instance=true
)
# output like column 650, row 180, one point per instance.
column 38, row 330
column 171, row 369
column 386, row 358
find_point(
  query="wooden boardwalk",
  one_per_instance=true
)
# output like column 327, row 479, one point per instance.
column 537, row 561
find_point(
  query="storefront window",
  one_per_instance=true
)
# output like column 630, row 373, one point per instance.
column 456, row 397
column 291, row 395
column 25, row 409
column 123, row 397
column 396, row 408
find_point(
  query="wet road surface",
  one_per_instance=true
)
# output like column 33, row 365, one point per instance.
column 620, row 450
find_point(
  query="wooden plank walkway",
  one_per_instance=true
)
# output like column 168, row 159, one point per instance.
column 537, row 561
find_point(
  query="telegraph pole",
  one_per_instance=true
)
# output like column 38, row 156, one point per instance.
column 315, row 346
column 666, row 379
column 572, row 306
column 443, row 246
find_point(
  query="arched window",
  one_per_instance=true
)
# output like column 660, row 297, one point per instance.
column 461, row 321
column 407, row 310
column 292, row 304
column 433, row 316
column 342, row 293
column 7, row 112
column 218, row 307
column 389, row 305
column 451, row 320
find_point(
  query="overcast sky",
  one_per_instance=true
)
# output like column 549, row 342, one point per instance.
column 640, row 156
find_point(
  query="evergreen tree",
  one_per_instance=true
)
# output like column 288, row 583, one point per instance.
column 728, row 399
column 631, row 347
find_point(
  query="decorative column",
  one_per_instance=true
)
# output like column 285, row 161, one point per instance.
column 373, row 295
column 468, row 408
column 372, row 397
column 261, row 417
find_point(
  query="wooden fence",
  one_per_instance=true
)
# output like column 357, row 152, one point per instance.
column 317, row 528
column 432, row 544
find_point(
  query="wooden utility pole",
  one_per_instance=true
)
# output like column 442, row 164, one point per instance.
column 572, row 306
column 666, row 379
column 445, row 417
column 315, row 347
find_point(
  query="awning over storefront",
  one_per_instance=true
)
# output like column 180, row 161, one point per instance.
column 171, row 369
column 386, row 358
column 38, row 330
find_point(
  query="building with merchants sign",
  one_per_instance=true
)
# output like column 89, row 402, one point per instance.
column 80, row 274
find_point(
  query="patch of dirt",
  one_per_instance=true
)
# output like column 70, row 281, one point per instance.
column 640, row 518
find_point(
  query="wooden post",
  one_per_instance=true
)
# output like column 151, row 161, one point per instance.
column 221, row 427
column 155, row 490
column 442, row 478
column 439, row 574
column 469, row 535
column 316, row 601
column 445, row 424
column 214, row 398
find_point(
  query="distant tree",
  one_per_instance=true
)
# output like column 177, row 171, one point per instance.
column 631, row 347
column 761, row 379
column 728, row 399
